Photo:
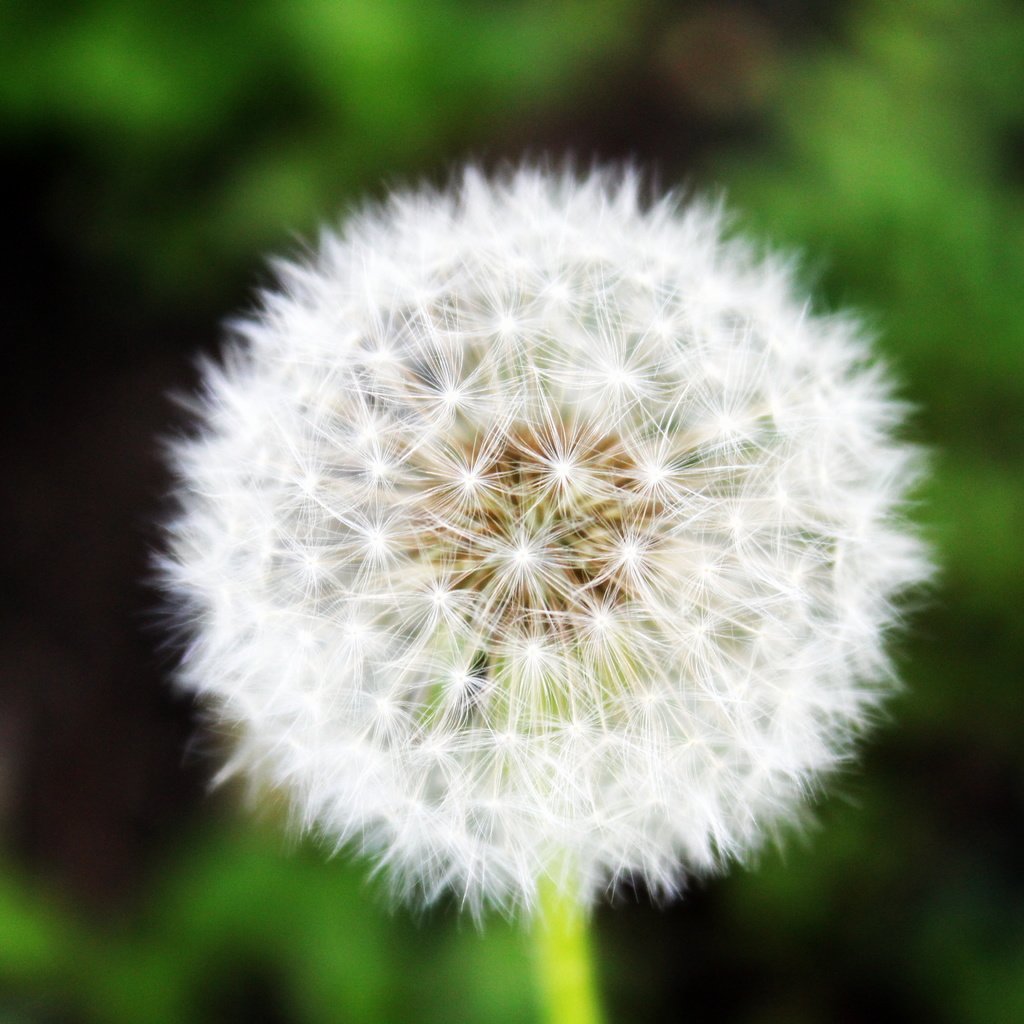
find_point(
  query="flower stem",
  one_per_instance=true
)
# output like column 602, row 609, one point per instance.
column 564, row 968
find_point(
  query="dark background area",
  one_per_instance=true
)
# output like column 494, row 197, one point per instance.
column 155, row 153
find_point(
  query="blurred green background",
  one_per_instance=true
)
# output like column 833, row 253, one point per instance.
column 155, row 152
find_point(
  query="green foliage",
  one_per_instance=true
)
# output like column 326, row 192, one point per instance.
column 211, row 131
column 895, row 159
column 235, row 912
column 33, row 935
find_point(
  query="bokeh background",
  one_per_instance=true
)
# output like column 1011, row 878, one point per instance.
column 155, row 152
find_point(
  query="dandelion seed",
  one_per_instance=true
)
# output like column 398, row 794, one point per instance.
column 527, row 526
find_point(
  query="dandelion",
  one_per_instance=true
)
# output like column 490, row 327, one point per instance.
column 537, row 538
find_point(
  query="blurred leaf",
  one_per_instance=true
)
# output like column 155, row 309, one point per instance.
column 34, row 936
column 214, row 132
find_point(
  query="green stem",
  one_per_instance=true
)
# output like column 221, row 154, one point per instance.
column 565, row 976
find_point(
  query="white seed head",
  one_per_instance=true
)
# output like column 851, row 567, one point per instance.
column 531, row 529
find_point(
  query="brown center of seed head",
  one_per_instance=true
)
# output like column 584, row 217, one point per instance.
column 549, row 526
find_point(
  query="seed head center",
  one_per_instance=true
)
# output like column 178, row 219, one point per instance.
column 542, row 527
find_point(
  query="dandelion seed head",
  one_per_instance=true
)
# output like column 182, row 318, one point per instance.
column 528, row 525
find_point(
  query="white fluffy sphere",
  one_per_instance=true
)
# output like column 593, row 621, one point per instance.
column 530, row 530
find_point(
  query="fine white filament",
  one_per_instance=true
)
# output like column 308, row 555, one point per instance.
column 531, row 529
